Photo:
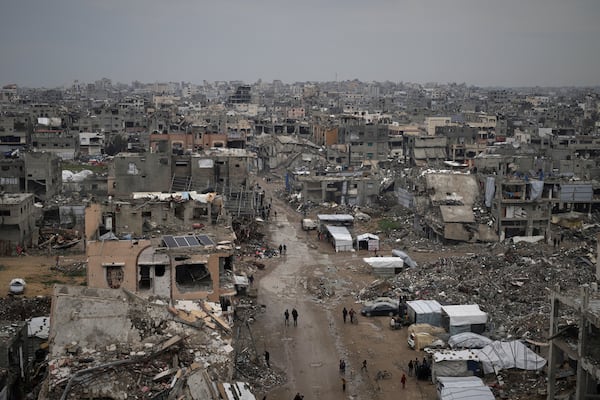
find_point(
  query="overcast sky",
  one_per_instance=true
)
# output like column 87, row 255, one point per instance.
column 479, row 42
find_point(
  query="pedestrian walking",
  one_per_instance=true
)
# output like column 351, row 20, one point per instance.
column 343, row 384
column 286, row 314
column 364, row 365
column 295, row 316
column 403, row 380
column 267, row 357
column 284, row 249
column 352, row 314
column 345, row 314
column 410, row 368
column 342, row 367
column 251, row 279
column 280, row 250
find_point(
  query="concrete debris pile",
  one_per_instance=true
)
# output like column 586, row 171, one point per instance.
column 58, row 238
column 22, row 308
column 71, row 269
column 249, row 364
column 112, row 344
column 512, row 286
column 519, row 385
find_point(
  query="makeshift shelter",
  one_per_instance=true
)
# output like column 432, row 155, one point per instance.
column 341, row 238
column 463, row 318
column 385, row 266
column 455, row 363
column 505, row 355
column 468, row 340
column 405, row 257
column 424, row 312
column 335, row 220
column 464, row 393
column 462, row 387
column 367, row 241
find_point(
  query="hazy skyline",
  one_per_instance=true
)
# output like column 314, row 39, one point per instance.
column 479, row 42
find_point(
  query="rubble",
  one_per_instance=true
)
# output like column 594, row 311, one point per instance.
column 510, row 284
column 22, row 308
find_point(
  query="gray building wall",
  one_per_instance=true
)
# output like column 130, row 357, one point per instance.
column 149, row 172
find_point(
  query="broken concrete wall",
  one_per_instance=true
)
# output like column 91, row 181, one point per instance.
column 199, row 276
column 113, row 263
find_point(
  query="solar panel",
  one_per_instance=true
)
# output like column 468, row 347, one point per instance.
column 181, row 242
column 192, row 241
column 205, row 240
column 169, row 241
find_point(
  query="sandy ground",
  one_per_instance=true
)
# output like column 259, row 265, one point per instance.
column 37, row 273
column 310, row 352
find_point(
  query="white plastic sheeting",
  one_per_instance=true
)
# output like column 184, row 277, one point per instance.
column 405, row 257
column 537, row 187
column 465, row 314
column 468, row 340
column 384, row 262
column 425, row 312
column 467, row 393
column 68, row 176
column 342, row 239
column 505, row 355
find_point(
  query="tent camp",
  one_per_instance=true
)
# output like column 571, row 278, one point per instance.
column 455, row 363
column 424, row 312
column 367, row 241
column 468, row 340
column 385, row 266
column 505, row 355
column 463, row 318
column 341, row 238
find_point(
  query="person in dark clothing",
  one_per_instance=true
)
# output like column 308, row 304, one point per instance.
column 280, row 249
column 284, row 249
column 267, row 358
column 352, row 314
column 410, row 368
column 343, row 384
column 295, row 316
column 345, row 314
column 342, row 367
column 286, row 314
column 298, row 396
column 364, row 365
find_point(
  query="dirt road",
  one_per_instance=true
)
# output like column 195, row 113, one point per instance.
column 37, row 273
column 310, row 352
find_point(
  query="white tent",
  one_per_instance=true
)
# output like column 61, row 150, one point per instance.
column 505, row 355
column 367, row 241
column 454, row 363
column 385, row 266
column 463, row 318
column 468, row 340
column 425, row 312
column 467, row 393
column 342, row 239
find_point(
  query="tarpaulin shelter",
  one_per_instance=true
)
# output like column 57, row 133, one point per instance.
column 367, row 241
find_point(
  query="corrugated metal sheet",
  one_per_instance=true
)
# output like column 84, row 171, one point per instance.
column 576, row 193
column 405, row 198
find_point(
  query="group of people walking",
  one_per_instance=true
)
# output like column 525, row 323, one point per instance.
column 286, row 316
column 282, row 249
column 351, row 314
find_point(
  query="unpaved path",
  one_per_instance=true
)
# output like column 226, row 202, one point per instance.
column 310, row 352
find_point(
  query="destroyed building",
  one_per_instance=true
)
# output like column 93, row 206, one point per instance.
column 574, row 339
column 112, row 344
column 38, row 173
column 14, row 359
column 17, row 222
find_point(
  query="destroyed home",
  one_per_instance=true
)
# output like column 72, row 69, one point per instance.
column 113, row 344
column 17, row 222
column 15, row 359
column 574, row 343
column 38, row 173
column 54, row 136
